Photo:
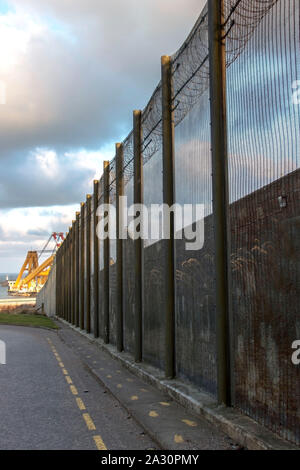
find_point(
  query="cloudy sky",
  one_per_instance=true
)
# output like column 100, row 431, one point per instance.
column 71, row 72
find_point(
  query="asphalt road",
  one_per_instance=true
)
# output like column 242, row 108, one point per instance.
column 48, row 400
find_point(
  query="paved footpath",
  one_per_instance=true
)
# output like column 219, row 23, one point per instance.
column 169, row 424
column 60, row 391
column 49, row 400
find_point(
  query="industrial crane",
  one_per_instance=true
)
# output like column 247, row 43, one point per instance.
column 37, row 274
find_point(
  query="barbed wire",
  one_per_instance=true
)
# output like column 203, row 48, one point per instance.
column 190, row 72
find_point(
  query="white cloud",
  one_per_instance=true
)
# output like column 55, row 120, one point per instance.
column 73, row 73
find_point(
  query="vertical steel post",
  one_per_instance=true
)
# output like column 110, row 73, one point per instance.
column 73, row 271
column 82, row 263
column 96, row 261
column 169, row 200
column 77, row 269
column 217, row 64
column 70, row 275
column 65, row 277
column 119, row 220
column 138, row 243
column 106, row 257
column 88, row 262
column 57, row 258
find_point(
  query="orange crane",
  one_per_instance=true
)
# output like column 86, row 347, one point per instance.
column 37, row 274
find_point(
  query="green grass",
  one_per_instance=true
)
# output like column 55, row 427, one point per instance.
column 22, row 319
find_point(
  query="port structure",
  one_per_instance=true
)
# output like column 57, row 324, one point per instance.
column 36, row 274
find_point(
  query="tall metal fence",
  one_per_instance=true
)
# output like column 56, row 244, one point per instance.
column 221, row 129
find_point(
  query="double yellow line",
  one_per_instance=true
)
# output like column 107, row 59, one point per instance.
column 86, row 417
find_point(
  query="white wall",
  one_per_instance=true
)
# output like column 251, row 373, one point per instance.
column 47, row 295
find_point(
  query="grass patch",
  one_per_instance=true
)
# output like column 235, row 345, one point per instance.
column 20, row 319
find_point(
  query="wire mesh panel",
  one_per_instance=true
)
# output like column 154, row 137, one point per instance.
column 195, row 276
column 101, row 268
column 113, row 256
column 264, row 175
column 85, row 266
column 79, row 267
column 92, row 304
column 154, row 271
column 128, row 254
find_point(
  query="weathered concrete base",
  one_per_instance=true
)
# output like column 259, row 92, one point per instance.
column 242, row 429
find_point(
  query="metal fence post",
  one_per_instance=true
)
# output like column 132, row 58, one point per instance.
column 62, row 278
column 77, row 272
column 57, row 284
column 70, row 275
column 67, row 277
column 106, row 257
column 73, row 271
column 82, row 263
column 119, row 212
column 138, row 243
column 217, row 64
column 96, row 261
column 169, row 200
column 88, row 263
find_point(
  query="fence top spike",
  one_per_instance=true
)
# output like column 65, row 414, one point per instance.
column 165, row 59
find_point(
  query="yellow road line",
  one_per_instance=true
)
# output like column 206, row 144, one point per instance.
column 99, row 443
column 89, row 422
column 73, row 390
column 190, row 423
column 80, row 404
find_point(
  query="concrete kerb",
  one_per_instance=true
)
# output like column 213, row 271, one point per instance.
column 242, row 429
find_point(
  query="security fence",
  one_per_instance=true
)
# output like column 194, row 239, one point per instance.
column 221, row 129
